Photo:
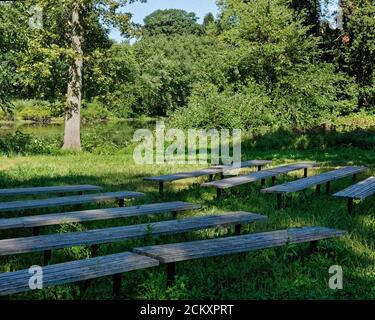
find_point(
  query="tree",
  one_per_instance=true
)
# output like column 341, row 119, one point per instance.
column 73, row 29
column 12, row 40
column 310, row 10
column 208, row 19
column 171, row 22
column 272, row 61
column 355, row 53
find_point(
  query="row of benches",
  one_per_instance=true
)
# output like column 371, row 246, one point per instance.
column 211, row 172
column 140, row 258
column 168, row 254
column 358, row 191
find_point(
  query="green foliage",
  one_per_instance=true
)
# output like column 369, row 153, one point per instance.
column 12, row 40
column 356, row 52
column 34, row 110
column 112, row 77
column 94, row 111
column 209, row 108
column 168, row 70
column 171, row 22
column 16, row 142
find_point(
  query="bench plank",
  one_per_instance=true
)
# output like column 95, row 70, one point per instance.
column 70, row 200
column 46, row 190
column 100, row 236
column 257, row 176
column 68, row 272
column 308, row 182
column 170, row 253
column 93, row 215
column 358, row 191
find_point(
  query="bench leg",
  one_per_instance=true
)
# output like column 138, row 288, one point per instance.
column 259, row 168
column 318, row 189
column 121, row 203
column 262, row 182
column 47, row 257
column 161, row 187
column 218, row 193
column 350, row 205
column 117, row 283
column 237, row 229
column 36, row 231
column 221, row 175
column 279, row 201
column 174, row 214
column 273, row 181
column 80, row 193
column 210, row 177
column 94, row 250
column 305, row 172
column 171, row 271
column 328, row 187
column 313, row 246
column 354, row 177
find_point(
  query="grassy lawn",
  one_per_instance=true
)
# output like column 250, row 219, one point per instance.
column 281, row 273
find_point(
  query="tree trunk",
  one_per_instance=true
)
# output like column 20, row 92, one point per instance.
column 72, row 132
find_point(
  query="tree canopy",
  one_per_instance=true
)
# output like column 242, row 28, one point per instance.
column 171, row 22
column 277, row 61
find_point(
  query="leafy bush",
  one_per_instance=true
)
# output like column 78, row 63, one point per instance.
column 94, row 111
column 209, row 108
column 34, row 110
column 47, row 145
column 16, row 142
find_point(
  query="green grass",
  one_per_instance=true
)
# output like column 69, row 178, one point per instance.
column 268, row 274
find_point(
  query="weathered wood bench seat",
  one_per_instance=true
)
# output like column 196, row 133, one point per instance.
column 169, row 254
column 46, row 190
column 204, row 172
column 70, row 200
column 93, row 215
column 100, row 236
column 69, row 272
column 359, row 191
column 318, row 180
column 258, row 176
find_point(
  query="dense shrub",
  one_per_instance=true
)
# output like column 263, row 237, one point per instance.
column 94, row 111
column 209, row 108
column 16, row 142
column 33, row 110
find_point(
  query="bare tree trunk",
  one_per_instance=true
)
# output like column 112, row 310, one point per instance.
column 72, row 131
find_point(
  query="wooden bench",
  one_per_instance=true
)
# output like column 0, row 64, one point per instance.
column 46, row 190
column 318, row 180
column 49, row 242
column 258, row 176
column 147, row 257
column 204, row 172
column 169, row 254
column 359, row 191
column 69, row 272
column 38, row 221
column 70, row 200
